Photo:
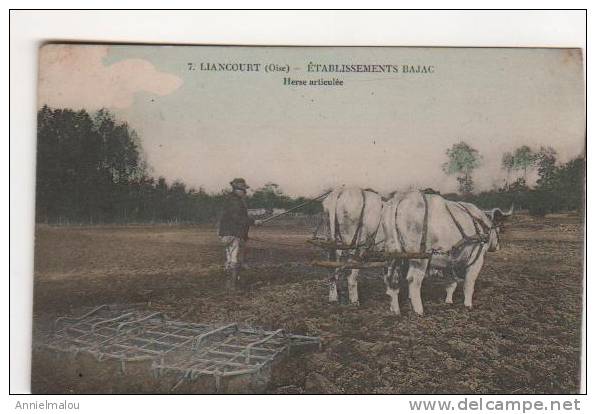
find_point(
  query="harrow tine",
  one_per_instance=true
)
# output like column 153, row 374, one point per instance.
column 80, row 318
column 151, row 316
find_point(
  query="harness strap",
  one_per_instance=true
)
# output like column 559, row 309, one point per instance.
column 477, row 255
column 399, row 235
column 459, row 227
column 394, row 278
column 483, row 234
column 338, row 237
column 360, row 221
column 425, row 236
column 424, row 225
column 337, row 234
column 474, row 221
column 371, row 242
column 373, row 236
column 465, row 238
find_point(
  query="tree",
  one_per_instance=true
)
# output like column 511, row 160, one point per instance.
column 269, row 196
column 88, row 167
column 524, row 158
column 463, row 160
column 546, row 160
column 507, row 163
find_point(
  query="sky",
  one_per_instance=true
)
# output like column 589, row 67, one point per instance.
column 388, row 131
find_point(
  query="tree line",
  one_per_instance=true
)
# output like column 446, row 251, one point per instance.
column 91, row 169
column 559, row 187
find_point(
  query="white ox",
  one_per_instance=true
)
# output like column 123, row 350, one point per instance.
column 354, row 221
column 458, row 235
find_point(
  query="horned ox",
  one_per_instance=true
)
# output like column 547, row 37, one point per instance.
column 354, row 223
column 427, row 234
column 498, row 216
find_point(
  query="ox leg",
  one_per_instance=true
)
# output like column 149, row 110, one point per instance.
column 450, row 289
column 353, row 286
column 392, row 289
column 394, row 295
column 470, row 279
column 333, row 297
column 415, row 276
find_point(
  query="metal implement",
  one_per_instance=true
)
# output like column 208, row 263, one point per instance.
column 245, row 352
column 124, row 335
column 184, row 349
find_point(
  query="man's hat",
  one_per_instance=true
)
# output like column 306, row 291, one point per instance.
column 239, row 184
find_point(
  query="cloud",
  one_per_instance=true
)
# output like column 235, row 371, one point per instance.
column 74, row 76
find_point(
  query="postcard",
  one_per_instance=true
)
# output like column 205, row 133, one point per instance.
column 308, row 220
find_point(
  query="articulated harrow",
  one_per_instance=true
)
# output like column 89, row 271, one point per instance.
column 184, row 349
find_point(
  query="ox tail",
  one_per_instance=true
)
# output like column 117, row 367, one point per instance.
column 330, row 206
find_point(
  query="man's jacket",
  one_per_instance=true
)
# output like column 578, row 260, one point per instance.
column 234, row 220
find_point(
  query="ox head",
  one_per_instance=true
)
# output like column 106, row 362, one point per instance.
column 497, row 218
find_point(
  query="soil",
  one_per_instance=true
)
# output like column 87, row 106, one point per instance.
column 522, row 336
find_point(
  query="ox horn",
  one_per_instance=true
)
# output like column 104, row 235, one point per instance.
column 510, row 212
column 492, row 214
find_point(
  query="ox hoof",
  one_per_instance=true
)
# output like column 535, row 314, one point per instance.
column 449, row 302
column 355, row 303
column 394, row 310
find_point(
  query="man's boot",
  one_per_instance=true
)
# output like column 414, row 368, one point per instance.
column 236, row 276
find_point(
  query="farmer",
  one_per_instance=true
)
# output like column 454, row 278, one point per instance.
column 233, row 230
